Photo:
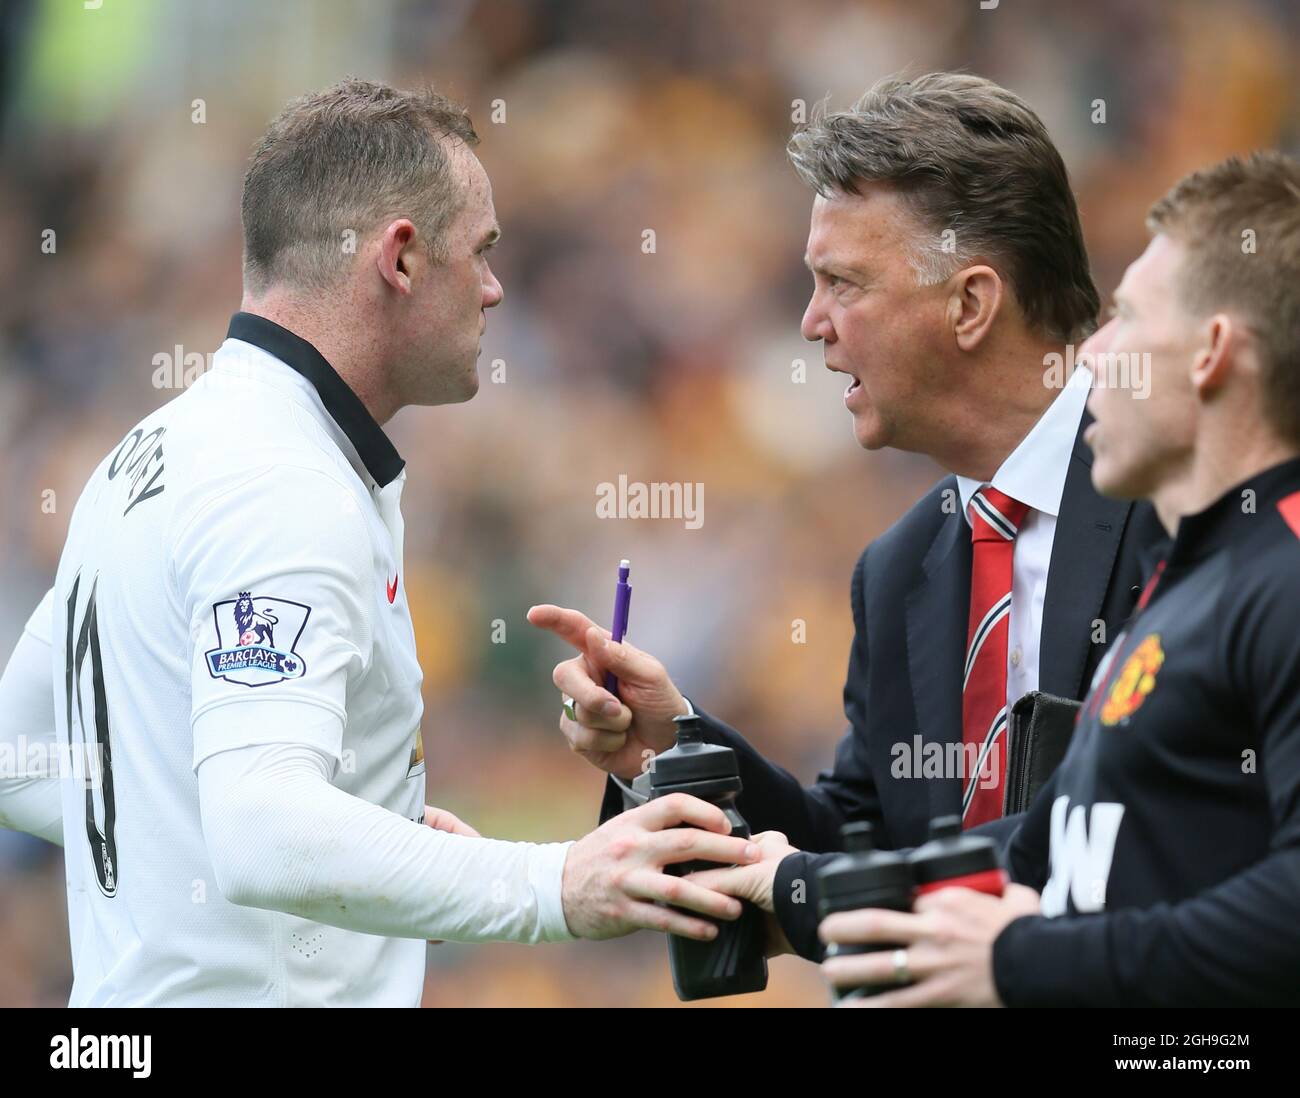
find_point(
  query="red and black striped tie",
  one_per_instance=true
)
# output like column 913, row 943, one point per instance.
column 995, row 519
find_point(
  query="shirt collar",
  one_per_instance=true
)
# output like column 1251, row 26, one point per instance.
column 1233, row 513
column 373, row 447
column 1034, row 472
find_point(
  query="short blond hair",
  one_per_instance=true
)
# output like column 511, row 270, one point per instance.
column 1239, row 224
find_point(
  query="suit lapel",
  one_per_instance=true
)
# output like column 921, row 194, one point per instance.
column 1088, row 534
column 937, row 612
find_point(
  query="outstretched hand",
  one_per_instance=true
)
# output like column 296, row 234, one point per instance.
column 616, row 736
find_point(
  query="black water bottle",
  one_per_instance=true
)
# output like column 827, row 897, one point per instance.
column 735, row 962
column 954, row 858
column 862, row 877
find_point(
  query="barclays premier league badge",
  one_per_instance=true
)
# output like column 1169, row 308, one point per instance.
column 248, row 630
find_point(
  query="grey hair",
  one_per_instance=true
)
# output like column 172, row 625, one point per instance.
column 978, row 169
column 343, row 160
column 934, row 263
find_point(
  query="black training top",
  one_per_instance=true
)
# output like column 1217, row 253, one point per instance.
column 1167, row 844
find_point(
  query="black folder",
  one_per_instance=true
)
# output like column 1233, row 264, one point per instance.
column 1040, row 729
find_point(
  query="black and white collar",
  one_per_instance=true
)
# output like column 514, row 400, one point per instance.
column 377, row 453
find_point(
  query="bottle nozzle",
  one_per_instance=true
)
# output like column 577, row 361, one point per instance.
column 945, row 827
column 688, row 728
column 857, row 837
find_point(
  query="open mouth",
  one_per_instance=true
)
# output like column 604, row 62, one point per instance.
column 854, row 385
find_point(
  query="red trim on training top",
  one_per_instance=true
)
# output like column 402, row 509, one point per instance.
column 1150, row 588
column 1290, row 510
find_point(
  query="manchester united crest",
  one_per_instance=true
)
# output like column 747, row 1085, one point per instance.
column 1137, row 678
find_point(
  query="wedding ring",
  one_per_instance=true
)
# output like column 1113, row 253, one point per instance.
column 902, row 975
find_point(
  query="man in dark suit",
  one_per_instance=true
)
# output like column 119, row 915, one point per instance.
column 950, row 282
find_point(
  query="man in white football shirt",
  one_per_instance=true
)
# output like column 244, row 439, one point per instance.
column 235, row 680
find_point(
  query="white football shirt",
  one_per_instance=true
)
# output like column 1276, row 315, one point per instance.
column 232, row 577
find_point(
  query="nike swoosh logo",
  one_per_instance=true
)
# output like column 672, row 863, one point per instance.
column 392, row 589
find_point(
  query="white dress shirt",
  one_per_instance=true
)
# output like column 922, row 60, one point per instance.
column 1034, row 473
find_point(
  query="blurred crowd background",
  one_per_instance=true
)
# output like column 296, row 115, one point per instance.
column 600, row 120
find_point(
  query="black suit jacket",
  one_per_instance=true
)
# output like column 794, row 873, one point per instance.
column 911, row 600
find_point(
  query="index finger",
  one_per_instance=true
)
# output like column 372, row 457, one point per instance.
column 722, row 880
column 872, row 925
column 568, row 625
column 954, row 898
column 678, row 808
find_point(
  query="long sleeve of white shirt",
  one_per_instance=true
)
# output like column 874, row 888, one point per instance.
column 281, row 837
column 31, row 798
column 279, row 833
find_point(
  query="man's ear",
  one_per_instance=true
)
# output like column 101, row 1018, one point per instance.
column 973, row 304
column 397, row 254
column 1215, row 357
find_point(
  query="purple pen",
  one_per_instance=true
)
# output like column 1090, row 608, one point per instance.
column 622, row 600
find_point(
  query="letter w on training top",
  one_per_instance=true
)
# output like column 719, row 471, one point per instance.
column 1082, row 849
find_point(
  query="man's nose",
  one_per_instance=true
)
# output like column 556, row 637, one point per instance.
column 493, row 294
column 816, row 324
